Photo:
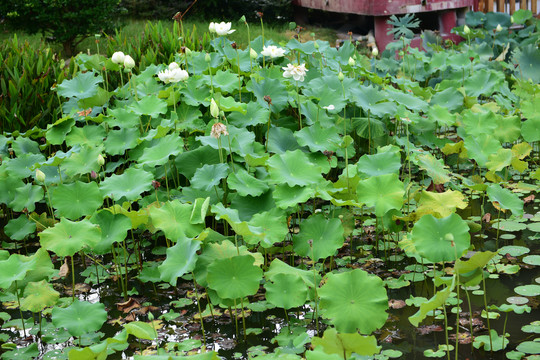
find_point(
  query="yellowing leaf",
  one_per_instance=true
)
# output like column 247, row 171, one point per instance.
column 440, row 204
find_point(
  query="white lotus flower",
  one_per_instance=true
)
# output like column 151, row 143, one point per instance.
column 466, row 30
column 272, row 51
column 129, row 63
column 375, row 52
column 297, row 72
column 223, row 28
column 177, row 75
column 118, row 57
column 212, row 27
column 498, row 28
column 329, row 107
column 165, row 76
column 173, row 66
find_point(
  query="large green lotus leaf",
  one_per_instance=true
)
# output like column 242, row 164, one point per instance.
column 226, row 81
column 189, row 118
column 13, row 269
column 481, row 147
column 82, row 86
column 246, row 184
column 498, row 161
column 234, row 277
column 326, row 236
column 130, row 185
column 255, row 115
column 434, row 167
column 435, row 302
column 232, row 217
column 200, row 210
column 173, row 218
column 274, row 228
column 227, row 103
column 82, row 162
column 527, row 57
column 26, row 197
column 508, row 128
column 138, row 218
column 123, row 118
column 20, row 167
column 344, row 345
column 329, row 90
column 41, row 267
column 118, row 141
column 280, row 140
column 149, row 105
column 89, row 135
column 286, row 291
column 447, row 99
column 506, row 199
column 477, row 261
column 181, row 259
column 478, row 122
column 530, row 129
column 80, row 318
column 293, row 168
column 194, row 93
column 188, row 162
column 76, row 199
column 483, row 82
column 160, row 150
column 368, row 97
column 23, row 145
column 440, row 204
column 354, row 300
column 141, row 330
column 387, row 162
column 208, row 176
column 68, row 237
column 28, row 352
column 410, row 101
column 272, row 88
column 223, row 250
column 286, row 196
column 384, row 192
column 38, row 296
column 19, row 228
column 114, row 228
column 278, row 267
column 317, row 138
column 248, row 206
column 369, row 128
column 441, row 239
column 8, row 184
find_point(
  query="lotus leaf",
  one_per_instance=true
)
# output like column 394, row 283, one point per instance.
column 234, row 277
column 80, row 318
column 274, row 228
column 245, row 184
column 354, row 301
column 173, row 218
column 440, row 204
column 19, row 228
column 76, row 199
column 384, row 192
column 442, row 239
column 319, row 237
column 159, row 150
column 435, row 302
column 333, row 342
column 38, row 296
column 114, row 228
column 141, row 330
column 481, row 147
column 90, row 136
column 68, row 237
column 491, row 342
column 293, row 168
column 26, row 196
column 149, row 105
column 208, row 176
column 384, row 162
column 130, row 185
column 286, row 291
column 317, row 138
column 82, row 86
column 180, row 260
column 83, row 162
column 434, row 167
column 506, row 199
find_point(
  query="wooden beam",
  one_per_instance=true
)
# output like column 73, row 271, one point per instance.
column 500, row 6
column 513, row 6
column 534, row 7
column 490, row 5
column 523, row 4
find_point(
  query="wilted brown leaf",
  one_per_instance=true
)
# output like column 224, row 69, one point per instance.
column 127, row 306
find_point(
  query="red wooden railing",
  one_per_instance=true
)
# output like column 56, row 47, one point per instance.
column 507, row 6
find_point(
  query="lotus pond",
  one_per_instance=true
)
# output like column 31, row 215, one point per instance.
column 301, row 201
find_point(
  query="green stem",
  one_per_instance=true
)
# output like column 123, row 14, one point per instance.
column 20, row 310
column 73, row 277
column 199, row 307
column 487, row 312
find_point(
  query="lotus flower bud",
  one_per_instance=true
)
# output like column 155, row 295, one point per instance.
column 214, row 109
column 129, row 63
column 375, row 52
column 150, row 316
column 40, row 176
column 118, row 57
column 100, row 160
column 253, row 54
column 93, row 174
column 207, row 58
column 498, row 28
column 341, row 76
column 351, row 61
column 187, row 51
column 512, row 19
column 466, row 30
column 316, row 45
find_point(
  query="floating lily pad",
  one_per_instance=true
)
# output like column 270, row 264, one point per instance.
column 528, row 290
column 38, row 296
column 518, row 300
column 507, row 225
column 533, row 327
column 234, row 277
column 532, row 259
column 513, row 250
column 529, row 347
column 286, row 291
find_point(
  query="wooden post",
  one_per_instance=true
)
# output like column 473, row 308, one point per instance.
column 513, row 6
column 500, row 6
column 524, row 4
column 534, row 7
column 490, row 5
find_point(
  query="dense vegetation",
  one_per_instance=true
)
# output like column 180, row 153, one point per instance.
column 280, row 201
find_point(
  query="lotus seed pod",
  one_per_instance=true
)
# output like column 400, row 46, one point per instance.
column 40, row 176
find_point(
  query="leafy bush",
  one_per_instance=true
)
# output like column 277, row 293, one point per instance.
column 27, row 74
column 62, row 21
